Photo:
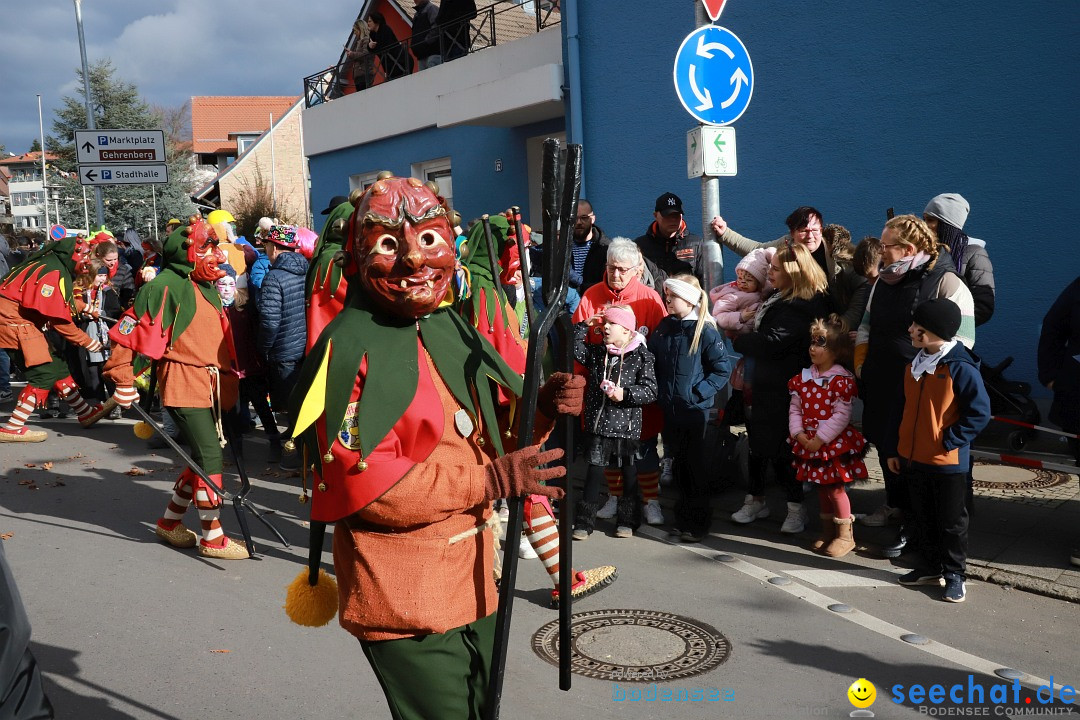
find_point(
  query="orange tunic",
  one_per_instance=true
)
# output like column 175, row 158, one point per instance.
column 398, row 573
column 20, row 328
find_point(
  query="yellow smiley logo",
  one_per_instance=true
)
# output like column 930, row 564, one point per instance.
column 862, row 693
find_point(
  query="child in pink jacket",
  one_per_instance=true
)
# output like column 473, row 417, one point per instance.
column 736, row 303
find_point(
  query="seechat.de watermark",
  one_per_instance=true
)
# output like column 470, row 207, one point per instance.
column 663, row 693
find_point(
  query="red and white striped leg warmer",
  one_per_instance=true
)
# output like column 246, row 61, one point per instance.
column 543, row 533
column 212, row 534
column 613, row 476
column 69, row 393
column 29, row 398
column 649, row 483
column 183, row 490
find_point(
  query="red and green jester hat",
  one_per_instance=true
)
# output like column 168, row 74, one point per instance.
column 43, row 282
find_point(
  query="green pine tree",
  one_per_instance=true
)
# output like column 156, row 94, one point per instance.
column 117, row 105
column 35, row 146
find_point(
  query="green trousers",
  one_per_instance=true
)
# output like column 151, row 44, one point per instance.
column 436, row 677
column 44, row 376
column 200, row 432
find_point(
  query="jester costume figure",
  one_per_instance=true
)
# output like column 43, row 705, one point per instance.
column 178, row 322
column 34, row 294
column 497, row 322
column 324, row 284
column 397, row 406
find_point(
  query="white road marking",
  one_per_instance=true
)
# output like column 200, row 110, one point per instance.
column 874, row 624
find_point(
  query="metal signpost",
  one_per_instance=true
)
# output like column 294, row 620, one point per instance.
column 121, row 157
column 714, row 80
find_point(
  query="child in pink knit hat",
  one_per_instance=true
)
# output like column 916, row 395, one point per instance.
column 736, row 303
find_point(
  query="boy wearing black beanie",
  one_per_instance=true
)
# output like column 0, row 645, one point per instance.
column 945, row 408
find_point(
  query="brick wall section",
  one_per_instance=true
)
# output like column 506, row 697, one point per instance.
column 290, row 170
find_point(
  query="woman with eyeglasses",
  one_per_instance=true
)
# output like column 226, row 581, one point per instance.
column 912, row 271
column 847, row 289
column 775, row 352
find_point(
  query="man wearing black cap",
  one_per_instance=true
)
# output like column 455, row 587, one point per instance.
column 673, row 249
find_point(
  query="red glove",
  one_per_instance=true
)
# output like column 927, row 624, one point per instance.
column 516, row 474
column 563, row 393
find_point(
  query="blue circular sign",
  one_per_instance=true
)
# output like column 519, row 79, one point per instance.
column 714, row 77
column 57, row 232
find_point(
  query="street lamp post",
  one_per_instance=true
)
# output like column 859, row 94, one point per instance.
column 89, row 113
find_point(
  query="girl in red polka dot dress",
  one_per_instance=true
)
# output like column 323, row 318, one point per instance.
column 828, row 450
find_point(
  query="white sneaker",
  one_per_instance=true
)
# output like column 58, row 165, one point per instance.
column 653, row 514
column 624, row 531
column 750, row 511
column 795, row 522
column 608, row 511
column 881, row 517
column 666, row 475
column 525, row 549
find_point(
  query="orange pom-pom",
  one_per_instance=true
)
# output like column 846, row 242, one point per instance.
column 312, row 606
column 143, row 431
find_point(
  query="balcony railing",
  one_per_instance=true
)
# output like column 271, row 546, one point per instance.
column 359, row 69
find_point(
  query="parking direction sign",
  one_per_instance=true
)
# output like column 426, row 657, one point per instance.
column 714, row 77
column 131, row 174
column 120, row 146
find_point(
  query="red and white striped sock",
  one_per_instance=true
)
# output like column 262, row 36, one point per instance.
column 24, row 407
column 613, row 476
column 212, row 534
column 178, row 505
column 649, row 483
column 70, row 394
column 543, row 534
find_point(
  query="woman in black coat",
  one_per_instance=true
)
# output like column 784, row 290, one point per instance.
column 777, row 350
column 384, row 43
column 1059, row 344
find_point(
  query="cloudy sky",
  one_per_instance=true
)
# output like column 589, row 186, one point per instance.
column 170, row 49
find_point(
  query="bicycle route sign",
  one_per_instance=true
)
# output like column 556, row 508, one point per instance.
column 714, row 77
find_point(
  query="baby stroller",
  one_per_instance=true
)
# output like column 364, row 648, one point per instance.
column 1011, row 400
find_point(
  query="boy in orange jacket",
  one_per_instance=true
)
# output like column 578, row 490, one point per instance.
column 945, row 408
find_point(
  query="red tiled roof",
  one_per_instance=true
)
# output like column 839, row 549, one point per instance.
column 30, row 157
column 214, row 118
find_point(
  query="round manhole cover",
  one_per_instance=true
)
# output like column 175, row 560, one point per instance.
column 635, row 645
column 990, row 475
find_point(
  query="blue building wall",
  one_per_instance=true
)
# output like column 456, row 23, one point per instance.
column 478, row 187
column 857, row 107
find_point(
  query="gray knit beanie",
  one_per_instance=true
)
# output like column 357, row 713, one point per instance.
column 950, row 207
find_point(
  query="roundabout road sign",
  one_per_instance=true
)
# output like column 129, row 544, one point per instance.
column 714, row 77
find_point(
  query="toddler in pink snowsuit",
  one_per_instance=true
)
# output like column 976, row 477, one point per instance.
column 736, row 303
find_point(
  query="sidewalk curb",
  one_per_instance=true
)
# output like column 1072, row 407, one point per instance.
column 1020, row 581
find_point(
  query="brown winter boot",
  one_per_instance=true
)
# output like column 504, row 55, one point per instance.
column 844, row 542
column 828, row 532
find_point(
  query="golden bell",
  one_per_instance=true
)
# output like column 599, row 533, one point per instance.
column 302, row 499
column 361, row 466
column 322, row 487
column 480, row 441
column 507, row 434
column 328, row 457
column 289, row 445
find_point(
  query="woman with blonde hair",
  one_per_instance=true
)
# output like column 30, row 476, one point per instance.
column 775, row 351
column 912, row 272
column 691, row 368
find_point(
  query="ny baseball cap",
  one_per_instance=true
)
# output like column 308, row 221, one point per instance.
column 668, row 204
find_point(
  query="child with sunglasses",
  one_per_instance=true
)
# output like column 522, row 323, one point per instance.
column 828, row 450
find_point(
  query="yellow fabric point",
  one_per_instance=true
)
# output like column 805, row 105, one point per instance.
column 314, row 403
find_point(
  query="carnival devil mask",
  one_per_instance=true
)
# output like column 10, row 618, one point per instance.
column 203, row 253
column 80, row 257
column 400, row 247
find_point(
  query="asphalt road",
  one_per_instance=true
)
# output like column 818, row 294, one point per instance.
column 126, row 627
